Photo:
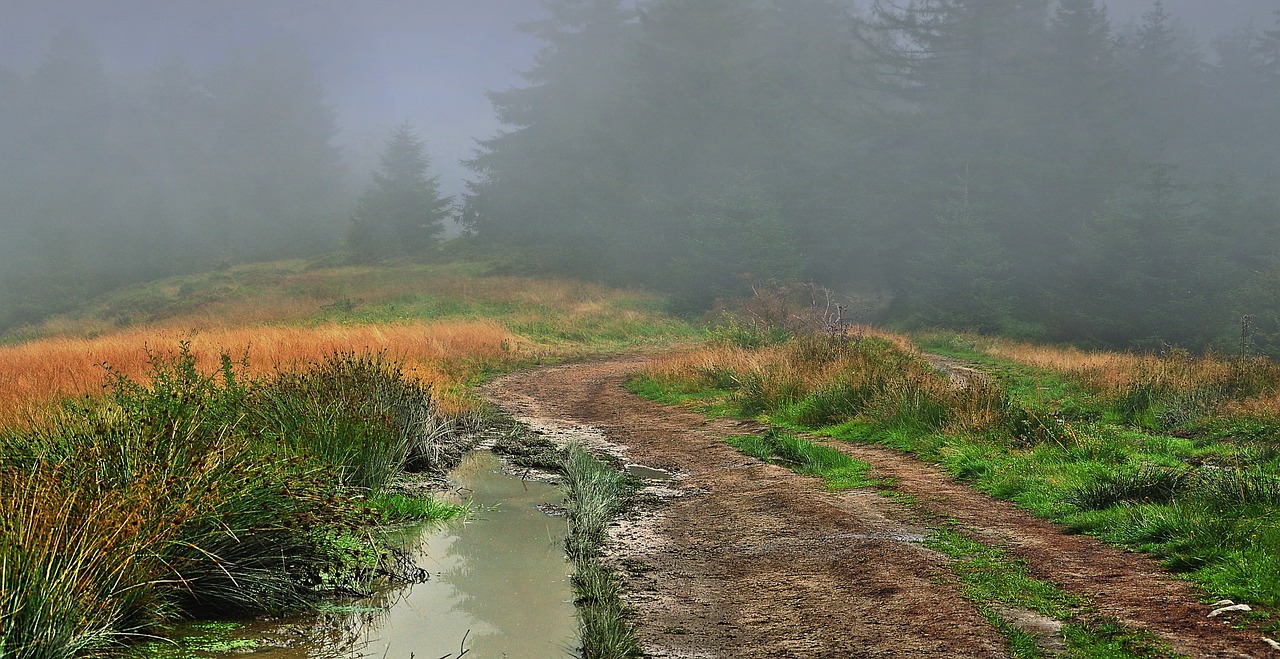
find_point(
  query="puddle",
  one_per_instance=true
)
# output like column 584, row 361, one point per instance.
column 649, row 473
column 500, row 581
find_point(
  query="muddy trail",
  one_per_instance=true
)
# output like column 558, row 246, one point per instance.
column 738, row 558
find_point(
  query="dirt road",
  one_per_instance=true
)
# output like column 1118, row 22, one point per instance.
column 746, row 559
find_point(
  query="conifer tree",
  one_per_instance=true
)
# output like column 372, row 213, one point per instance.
column 402, row 211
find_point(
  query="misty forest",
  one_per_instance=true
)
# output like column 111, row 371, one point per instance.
column 1021, row 167
column 625, row 328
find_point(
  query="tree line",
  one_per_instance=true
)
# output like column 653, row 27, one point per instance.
column 1015, row 166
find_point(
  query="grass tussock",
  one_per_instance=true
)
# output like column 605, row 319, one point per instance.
column 193, row 492
column 818, row 381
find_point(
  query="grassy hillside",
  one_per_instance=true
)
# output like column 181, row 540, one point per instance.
column 445, row 323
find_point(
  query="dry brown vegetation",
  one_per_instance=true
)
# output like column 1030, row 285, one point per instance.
column 35, row 373
column 1249, row 385
column 818, row 380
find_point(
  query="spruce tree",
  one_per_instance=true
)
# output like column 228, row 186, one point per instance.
column 402, row 211
column 557, row 171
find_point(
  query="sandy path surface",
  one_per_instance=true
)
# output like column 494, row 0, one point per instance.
column 737, row 558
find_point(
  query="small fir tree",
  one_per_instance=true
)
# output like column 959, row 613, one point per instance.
column 402, row 211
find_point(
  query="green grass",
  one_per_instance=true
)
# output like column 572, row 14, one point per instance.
column 712, row 401
column 396, row 508
column 198, row 494
column 837, row 470
column 597, row 493
column 990, row 575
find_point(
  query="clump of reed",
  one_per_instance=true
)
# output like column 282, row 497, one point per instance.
column 193, row 493
column 357, row 413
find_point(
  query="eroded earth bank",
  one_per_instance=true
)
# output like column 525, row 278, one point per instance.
column 739, row 558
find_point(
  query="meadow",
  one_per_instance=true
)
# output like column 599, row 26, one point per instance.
column 446, row 324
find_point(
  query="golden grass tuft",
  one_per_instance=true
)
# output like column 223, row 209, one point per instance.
column 819, row 381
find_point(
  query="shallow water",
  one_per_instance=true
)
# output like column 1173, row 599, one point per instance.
column 503, row 577
column 499, row 580
column 649, row 473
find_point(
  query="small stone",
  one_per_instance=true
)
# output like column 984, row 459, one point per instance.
column 1274, row 645
column 1221, row 603
column 1228, row 609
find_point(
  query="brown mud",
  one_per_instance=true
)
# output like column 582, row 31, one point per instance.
column 737, row 558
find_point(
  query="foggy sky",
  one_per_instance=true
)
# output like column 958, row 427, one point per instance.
column 384, row 61
column 1205, row 18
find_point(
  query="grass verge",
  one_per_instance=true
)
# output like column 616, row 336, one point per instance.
column 597, row 493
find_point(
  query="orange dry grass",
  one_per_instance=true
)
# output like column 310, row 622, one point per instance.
column 1114, row 372
column 1108, row 372
column 885, row 382
column 35, row 374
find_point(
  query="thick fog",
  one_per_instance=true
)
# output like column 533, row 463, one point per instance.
column 381, row 61
column 1057, row 169
column 144, row 137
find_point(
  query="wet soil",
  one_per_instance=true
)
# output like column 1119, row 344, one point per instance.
column 737, row 558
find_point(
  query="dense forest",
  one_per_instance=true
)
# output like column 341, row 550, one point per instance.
column 112, row 179
column 1014, row 166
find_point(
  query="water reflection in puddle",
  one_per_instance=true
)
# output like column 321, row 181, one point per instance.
column 649, row 473
column 500, row 580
